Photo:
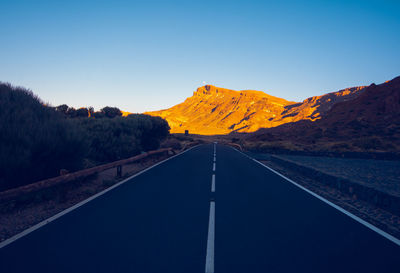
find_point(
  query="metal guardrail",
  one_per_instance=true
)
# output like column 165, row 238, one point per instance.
column 62, row 179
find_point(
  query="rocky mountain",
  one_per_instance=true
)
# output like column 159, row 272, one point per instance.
column 371, row 119
column 213, row 110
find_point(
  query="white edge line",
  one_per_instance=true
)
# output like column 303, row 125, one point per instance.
column 210, row 240
column 62, row 213
column 354, row 217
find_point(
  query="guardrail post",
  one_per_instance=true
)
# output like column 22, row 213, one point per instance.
column 119, row 170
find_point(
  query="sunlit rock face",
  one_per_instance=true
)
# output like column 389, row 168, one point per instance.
column 213, row 110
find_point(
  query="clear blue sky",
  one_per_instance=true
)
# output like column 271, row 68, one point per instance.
column 148, row 55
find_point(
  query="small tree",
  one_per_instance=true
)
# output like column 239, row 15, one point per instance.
column 71, row 112
column 98, row 115
column 82, row 113
column 62, row 108
column 90, row 111
column 111, row 112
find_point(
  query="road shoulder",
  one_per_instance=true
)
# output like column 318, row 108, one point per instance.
column 378, row 217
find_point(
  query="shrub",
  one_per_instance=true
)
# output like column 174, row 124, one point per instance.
column 35, row 141
column 111, row 112
column 172, row 143
column 62, row 109
column 122, row 137
column 71, row 112
column 235, row 140
column 98, row 115
column 368, row 143
column 82, row 112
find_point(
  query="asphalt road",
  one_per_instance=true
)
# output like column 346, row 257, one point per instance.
column 177, row 217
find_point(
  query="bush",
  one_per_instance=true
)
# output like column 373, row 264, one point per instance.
column 62, row 109
column 341, row 146
column 235, row 140
column 270, row 147
column 368, row 143
column 82, row 112
column 98, row 115
column 111, row 112
column 183, row 138
column 35, row 141
column 172, row 143
column 122, row 137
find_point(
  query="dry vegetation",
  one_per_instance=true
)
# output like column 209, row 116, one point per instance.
column 38, row 141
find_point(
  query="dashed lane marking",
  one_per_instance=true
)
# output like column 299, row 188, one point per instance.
column 210, row 240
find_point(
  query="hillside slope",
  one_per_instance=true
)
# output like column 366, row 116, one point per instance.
column 371, row 120
column 213, row 110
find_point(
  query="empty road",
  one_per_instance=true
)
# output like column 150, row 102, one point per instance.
column 210, row 209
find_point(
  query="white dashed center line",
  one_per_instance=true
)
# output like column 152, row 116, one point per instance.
column 213, row 183
column 210, row 240
column 211, row 222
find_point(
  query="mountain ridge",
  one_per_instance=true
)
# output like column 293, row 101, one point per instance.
column 214, row 110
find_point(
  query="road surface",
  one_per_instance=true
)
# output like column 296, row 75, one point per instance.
column 210, row 209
